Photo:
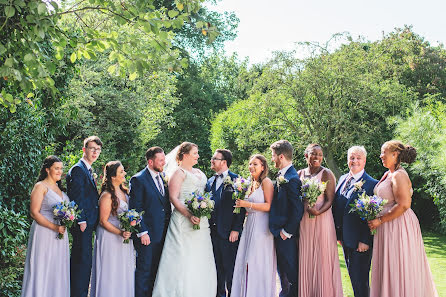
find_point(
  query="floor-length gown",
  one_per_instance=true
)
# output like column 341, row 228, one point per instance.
column 47, row 264
column 319, row 271
column 187, row 265
column 255, row 266
column 399, row 262
column 113, row 272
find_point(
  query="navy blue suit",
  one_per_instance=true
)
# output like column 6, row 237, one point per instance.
column 222, row 222
column 145, row 196
column 82, row 189
column 351, row 230
column 285, row 213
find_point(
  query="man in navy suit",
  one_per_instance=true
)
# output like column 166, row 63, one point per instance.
column 225, row 225
column 149, row 193
column 81, row 187
column 285, row 215
column 351, row 231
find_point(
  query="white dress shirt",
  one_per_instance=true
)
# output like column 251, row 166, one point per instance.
column 219, row 180
column 356, row 178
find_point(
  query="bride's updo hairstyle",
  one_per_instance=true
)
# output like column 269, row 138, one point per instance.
column 406, row 153
column 262, row 160
column 184, row 148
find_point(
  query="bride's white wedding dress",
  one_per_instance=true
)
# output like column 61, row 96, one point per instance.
column 187, row 265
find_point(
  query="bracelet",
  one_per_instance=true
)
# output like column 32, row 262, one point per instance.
column 250, row 206
column 379, row 219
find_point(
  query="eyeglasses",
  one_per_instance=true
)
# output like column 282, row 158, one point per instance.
column 93, row 149
column 214, row 159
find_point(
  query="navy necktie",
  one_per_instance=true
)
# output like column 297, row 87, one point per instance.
column 347, row 185
column 160, row 186
column 91, row 175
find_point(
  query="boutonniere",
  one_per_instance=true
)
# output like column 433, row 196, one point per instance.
column 358, row 185
column 228, row 181
column 281, row 180
column 95, row 176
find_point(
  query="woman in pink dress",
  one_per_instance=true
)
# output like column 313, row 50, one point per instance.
column 399, row 266
column 319, row 271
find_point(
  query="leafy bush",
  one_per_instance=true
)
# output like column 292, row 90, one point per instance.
column 13, row 235
column 425, row 129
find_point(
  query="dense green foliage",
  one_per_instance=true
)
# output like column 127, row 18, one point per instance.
column 13, row 234
column 425, row 129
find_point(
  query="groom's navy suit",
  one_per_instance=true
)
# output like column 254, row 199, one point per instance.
column 222, row 222
column 82, row 189
column 351, row 230
column 285, row 213
column 145, row 196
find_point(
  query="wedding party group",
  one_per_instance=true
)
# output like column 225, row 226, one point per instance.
column 191, row 236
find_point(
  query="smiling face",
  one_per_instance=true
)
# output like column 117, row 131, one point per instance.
column 191, row 158
column 217, row 162
column 157, row 162
column 388, row 158
column 314, row 157
column 256, row 168
column 55, row 171
column 120, row 175
column 356, row 162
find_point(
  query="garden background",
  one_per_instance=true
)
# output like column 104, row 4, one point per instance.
column 143, row 73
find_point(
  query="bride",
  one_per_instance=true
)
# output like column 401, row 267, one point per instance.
column 187, row 266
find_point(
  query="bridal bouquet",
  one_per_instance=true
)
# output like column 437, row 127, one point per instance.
column 200, row 205
column 368, row 207
column 65, row 213
column 241, row 186
column 129, row 221
column 311, row 189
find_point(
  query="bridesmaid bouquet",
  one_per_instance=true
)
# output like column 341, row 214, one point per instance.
column 311, row 189
column 200, row 205
column 368, row 207
column 65, row 213
column 241, row 186
column 129, row 221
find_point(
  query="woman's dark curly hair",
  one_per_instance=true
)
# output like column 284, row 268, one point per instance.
column 47, row 163
column 110, row 170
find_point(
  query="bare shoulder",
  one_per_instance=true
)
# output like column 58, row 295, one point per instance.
column 105, row 197
column 327, row 174
column 267, row 183
column 400, row 177
column 40, row 187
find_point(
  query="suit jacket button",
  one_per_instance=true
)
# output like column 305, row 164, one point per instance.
column 163, row 209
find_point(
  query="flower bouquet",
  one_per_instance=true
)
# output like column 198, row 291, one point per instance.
column 200, row 205
column 368, row 207
column 311, row 189
column 241, row 186
column 65, row 213
column 129, row 220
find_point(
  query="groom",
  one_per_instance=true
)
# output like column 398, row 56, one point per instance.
column 353, row 232
column 225, row 225
column 285, row 215
column 149, row 193
column 81, row 188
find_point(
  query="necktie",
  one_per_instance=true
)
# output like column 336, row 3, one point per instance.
column 347, row 185
column 214, row 184
column 160, row 186
column 91, row 175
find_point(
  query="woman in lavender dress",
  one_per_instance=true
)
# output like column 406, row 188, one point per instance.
column 113, row 271
column 255, row 265
column 47, row 271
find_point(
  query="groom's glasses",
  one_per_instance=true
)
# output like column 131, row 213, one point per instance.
column 213, row 159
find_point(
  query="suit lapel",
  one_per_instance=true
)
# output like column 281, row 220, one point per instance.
column 90, row 178
column 152, row 184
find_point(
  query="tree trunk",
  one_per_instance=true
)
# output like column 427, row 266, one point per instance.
column 332, row 164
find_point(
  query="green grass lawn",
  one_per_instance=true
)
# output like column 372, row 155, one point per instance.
column 435, row 246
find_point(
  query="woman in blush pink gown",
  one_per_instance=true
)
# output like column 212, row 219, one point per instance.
column 399, row 262
column 319, row 271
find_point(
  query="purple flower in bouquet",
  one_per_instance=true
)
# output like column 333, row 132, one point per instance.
column 129, row 221
column 65, row 213
column 200, row 205
column 368, row 207
column 241, row 186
